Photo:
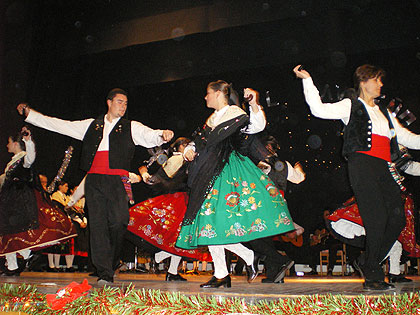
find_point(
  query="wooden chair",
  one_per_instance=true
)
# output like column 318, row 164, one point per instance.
column 324, row 259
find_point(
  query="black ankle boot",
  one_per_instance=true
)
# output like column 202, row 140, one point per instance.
column 215, row 283
column 252, row 270
column 397, row 278
column 171, row 277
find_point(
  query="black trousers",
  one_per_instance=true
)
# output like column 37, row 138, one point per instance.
column 273, row 260
column 108, row 219
column 380, row 206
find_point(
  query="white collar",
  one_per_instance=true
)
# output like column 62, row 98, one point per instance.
column 221, row 111
column 15, row 158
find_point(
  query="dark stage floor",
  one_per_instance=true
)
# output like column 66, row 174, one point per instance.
column 293, row 286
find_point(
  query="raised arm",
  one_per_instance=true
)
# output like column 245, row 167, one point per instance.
column 257, row 119
column 339, row 110
column 30, row 148
column 75, row 129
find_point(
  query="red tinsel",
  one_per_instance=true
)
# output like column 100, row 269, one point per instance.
column 67, row 294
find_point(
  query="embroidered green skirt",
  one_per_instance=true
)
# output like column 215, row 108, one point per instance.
column 243, row 205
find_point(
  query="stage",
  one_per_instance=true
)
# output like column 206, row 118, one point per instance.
column 349, row 286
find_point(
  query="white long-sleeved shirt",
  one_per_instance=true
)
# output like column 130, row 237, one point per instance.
column 141, row 134
column 30, row 153
column 342, row 109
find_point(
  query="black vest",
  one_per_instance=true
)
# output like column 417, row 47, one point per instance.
column 121, row 145
column 358, row 132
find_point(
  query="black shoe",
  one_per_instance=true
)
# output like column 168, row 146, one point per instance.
column 282, row 271
column 93, row 274
column 270, row 280
column 11, row 273
column 252, row 270
column 70, row 269
column 215, row 283
column 171, row 277
column 54, row 269
column 329, row 273
column 398, row 278
column 105, row 281
column 377, row 285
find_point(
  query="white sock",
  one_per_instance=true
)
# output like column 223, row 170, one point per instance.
column 173, row 266
column 162, row 255
column 11, row 261
column 69, row 260
column 57, row 260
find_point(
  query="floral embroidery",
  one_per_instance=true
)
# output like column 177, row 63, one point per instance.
column 283, row 219
column 244, row 203
column 272, row 190
column 236, row 229
column 208, row 212
column 244, row 183
column 252, row 185
column 257, row 226
column 158, row 239
column 159, row 212
column 214, row 191
column 232, row 199
column 131, row 222
column 246, row 191
column 207, row 231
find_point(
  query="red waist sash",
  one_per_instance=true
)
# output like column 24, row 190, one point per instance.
column 381, row 148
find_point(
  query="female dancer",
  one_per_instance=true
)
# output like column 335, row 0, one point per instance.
column 370, row 140
column 27, row 221
column 231, row 199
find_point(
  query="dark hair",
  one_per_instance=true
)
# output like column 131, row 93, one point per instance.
column 113, row 92
column 366, row 72
column 19, row 139
column 178, row 142
column 230, row 94
column 61, row 183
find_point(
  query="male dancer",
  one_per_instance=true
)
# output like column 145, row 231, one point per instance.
column 108, row 147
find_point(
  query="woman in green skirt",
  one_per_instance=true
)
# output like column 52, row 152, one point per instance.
column 231, row 200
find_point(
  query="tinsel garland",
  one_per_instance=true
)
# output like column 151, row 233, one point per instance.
column 28, row 300
column 62, row 170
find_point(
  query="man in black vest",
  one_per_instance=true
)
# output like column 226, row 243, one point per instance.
column 108, row 147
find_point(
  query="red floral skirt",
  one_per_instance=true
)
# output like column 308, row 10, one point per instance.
column 54, row 227
column 350, row 212
column 158, row 221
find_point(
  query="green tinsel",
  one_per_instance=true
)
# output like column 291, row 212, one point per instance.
column 26, row 298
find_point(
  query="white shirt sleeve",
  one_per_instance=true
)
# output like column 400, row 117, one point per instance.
column 30, row 153
column 413, row 169
column 78, row 193
column 405, row 136
column 257, row 121
column 190, row 146
column 145, row 136
column 339, row 110
column 75, row 129
column 294, row 175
